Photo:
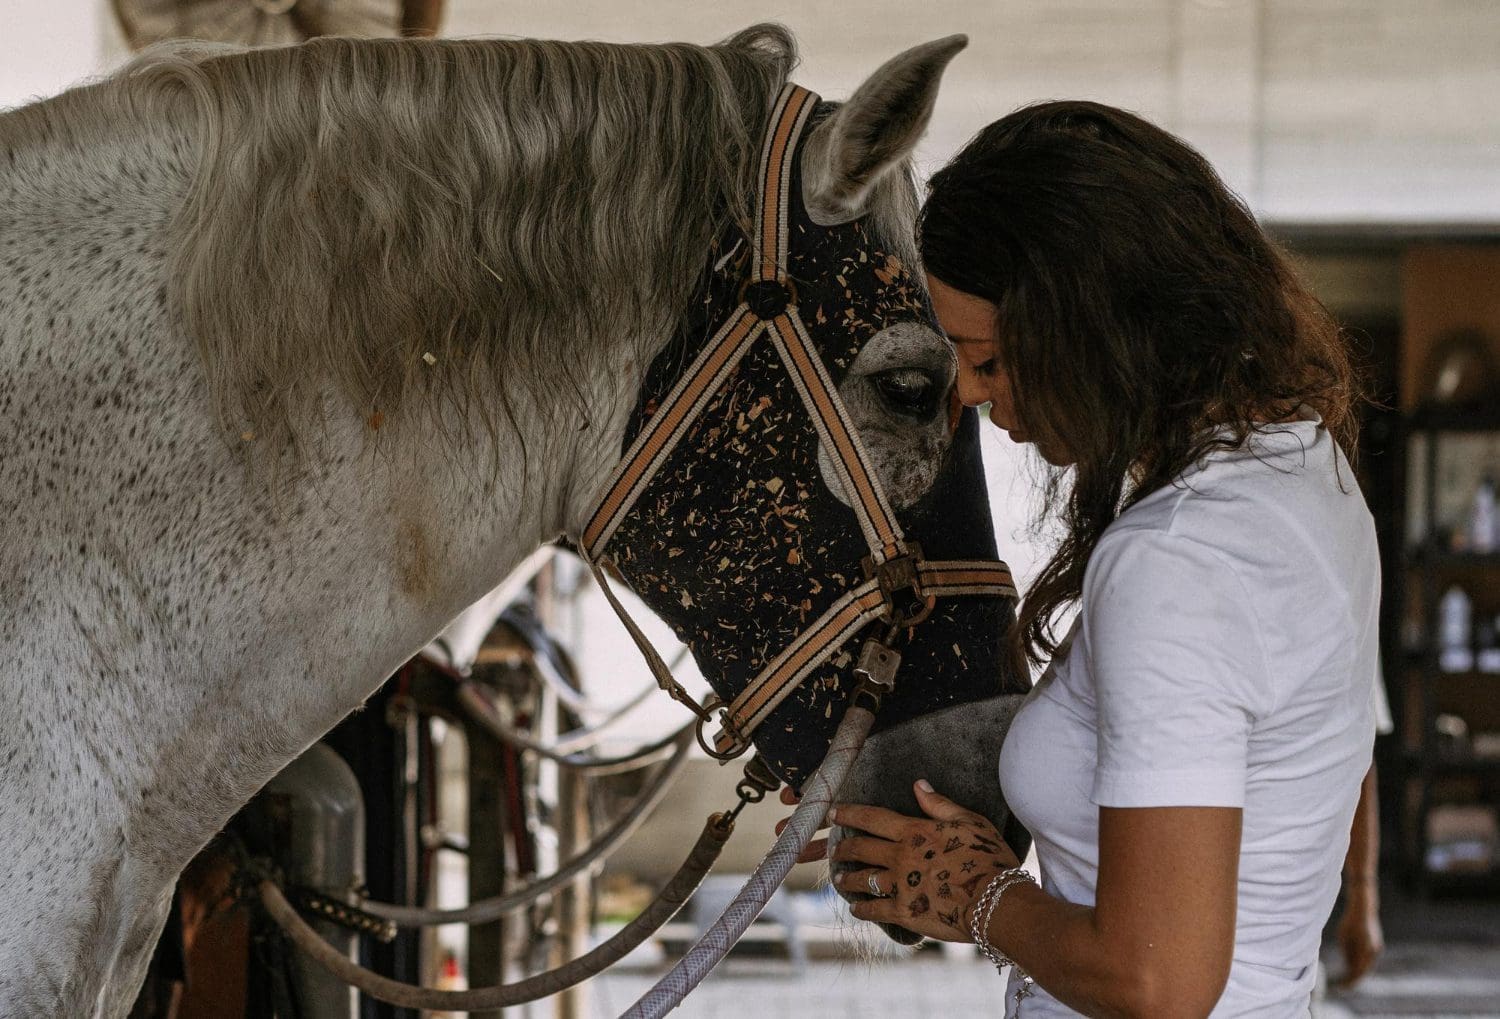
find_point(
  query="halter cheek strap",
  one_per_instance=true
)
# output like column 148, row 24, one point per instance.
column 900, row 586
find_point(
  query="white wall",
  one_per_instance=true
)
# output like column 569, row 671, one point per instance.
column 1380, row 110
column 1316, row 110
column 47, row 45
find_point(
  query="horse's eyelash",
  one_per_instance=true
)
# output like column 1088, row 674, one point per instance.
column 984, row 368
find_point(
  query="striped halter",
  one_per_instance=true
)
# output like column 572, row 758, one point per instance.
column 900, row 587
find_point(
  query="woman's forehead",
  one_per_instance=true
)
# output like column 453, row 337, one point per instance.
column 966, row 319
column 974, row 342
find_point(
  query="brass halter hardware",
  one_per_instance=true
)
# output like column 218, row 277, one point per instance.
column 900, row 580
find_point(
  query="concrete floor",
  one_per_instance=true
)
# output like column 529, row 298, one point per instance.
column 1413, row 980
column 827, row 989
column 1417, row 979
column 1442, row 961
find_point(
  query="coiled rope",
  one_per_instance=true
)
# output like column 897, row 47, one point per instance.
column 710, row 844
column 478, row 706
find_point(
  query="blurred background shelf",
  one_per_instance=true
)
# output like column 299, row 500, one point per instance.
column 1443, row 784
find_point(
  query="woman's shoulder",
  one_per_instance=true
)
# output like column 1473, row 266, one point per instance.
column 1285, row 527
column 1287, row 488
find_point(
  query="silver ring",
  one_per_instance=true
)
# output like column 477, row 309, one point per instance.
column 874, row 886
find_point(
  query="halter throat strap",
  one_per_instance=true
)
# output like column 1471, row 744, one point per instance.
column 900, row 586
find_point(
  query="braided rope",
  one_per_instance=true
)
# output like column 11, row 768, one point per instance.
column 805, row 821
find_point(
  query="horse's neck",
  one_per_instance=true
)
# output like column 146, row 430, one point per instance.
column 409, row 536
column 88, row 190
column 87, row 153
column 174, row 632
column 255, row 619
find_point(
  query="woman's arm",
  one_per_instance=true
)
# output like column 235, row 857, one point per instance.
column 1158, row 942
column 1159, row 939
column 1359, row 933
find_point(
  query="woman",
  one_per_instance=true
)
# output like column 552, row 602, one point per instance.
column 1190, row 762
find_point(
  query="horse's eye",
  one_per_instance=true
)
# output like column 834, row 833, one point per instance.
column 909, row 391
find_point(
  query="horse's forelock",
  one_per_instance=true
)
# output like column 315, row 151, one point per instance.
column 372, row 216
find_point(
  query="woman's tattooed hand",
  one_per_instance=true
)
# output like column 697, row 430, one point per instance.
column 930, row 870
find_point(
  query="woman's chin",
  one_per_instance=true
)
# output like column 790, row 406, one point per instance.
column 1048, row 451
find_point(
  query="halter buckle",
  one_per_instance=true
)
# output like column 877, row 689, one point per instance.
column 900, row 580
column 727, row 743
column 877, row 665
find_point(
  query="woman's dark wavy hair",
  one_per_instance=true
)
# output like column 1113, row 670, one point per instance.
column 1139, row 306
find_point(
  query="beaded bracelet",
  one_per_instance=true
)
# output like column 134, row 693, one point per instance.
column 984, row 908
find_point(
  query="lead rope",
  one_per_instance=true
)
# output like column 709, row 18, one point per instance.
column 804, row 823
column 757, row 782
column 689, row 972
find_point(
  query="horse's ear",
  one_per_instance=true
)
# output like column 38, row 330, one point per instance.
column 873, row 132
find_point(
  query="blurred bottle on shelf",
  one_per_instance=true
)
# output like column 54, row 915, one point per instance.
column 1450, row 737
column 1462, row 838
column 1482, row 518
column 1455, row 638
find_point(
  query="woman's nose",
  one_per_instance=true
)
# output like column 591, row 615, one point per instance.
column 971, row 391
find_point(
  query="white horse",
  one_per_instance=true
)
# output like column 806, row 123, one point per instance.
column 301, row 351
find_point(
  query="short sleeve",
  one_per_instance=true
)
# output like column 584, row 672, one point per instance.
column 1179, row 673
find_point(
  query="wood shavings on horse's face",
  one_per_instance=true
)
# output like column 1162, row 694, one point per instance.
column 746, row 518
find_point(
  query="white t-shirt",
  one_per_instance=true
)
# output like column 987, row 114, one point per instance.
column 1224, row 655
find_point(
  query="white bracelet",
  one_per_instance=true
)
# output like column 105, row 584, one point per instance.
column 984, row 908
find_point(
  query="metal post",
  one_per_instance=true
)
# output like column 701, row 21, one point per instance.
column 487, row 824
column 327, row 845
column 574, row 901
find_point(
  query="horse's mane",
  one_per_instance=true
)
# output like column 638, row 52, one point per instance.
column 373, row 215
